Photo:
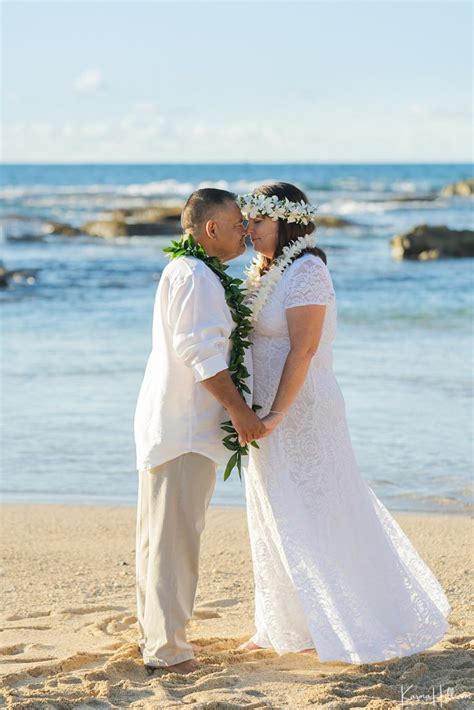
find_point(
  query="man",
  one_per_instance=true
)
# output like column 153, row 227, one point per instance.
column 183, row 399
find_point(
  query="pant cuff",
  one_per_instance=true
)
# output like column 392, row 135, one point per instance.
column 169, row 661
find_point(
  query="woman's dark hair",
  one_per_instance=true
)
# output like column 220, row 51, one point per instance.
column 288, row 231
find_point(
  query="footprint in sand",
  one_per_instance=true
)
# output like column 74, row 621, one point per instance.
column 219, row 680
column 205, row 614
column 12, row 650
column 206, row 609
column 29, row 659
column 462, row 641
column 221, row 603
column 41, row 627
column 115, row 625
column 17, row 653
column 31, row 615
column 80, row 660
column 111, row 625
column 83, row 610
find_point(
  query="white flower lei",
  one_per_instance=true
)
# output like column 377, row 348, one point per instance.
column 299, row 212
column 257, row 294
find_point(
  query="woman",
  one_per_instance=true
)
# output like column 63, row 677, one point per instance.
column 333, row 570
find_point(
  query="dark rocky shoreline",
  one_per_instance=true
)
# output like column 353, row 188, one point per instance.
column 422, row 242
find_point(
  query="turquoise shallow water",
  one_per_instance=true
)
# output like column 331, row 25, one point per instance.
column 76, row 340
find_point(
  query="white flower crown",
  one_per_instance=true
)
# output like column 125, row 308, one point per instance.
column 299, row 212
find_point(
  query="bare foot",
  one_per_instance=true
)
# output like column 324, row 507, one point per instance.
column 248, row 646
column 183, row 667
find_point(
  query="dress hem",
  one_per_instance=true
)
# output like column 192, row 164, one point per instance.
column 406, row 652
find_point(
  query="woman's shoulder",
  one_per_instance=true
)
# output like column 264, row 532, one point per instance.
column 307, row 262
column 310, row 276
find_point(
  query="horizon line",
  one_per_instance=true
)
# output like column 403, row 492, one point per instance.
column 244, row 162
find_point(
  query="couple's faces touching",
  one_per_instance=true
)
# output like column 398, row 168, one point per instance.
column 225, row 234
column 263, row 232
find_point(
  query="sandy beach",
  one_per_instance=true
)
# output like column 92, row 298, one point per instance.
column 69, row 626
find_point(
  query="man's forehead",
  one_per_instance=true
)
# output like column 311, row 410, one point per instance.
column 231, row 210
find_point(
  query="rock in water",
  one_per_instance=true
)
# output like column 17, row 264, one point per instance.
column 465, row 188
column 3, row 275
column 61, row 228
column 106, row 228
column 327, row 220
column 147, row 221
column 432, row 242
column 21, row 275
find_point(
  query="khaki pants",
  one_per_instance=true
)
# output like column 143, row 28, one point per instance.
column 172, row 502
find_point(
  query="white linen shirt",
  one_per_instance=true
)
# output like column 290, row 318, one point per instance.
column 175, row 414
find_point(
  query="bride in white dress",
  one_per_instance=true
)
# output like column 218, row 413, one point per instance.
column 333, row 570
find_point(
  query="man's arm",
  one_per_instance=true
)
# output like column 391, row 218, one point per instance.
column 244, row 419
column 200, row 338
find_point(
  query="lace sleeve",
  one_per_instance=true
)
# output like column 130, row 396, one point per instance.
column 309, row 283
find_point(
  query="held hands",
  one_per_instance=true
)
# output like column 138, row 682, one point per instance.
column 271, row 421
column 250, row 427
column 247, row 424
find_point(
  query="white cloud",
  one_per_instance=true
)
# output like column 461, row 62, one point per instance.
column 41, row 130
column 143, row 120
column 96, row 129
column 199, row 131
column 435, row 112
column 90, row 81
column 143, row 132
column 68, row 130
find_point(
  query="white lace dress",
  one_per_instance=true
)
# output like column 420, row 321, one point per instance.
column 333, row 570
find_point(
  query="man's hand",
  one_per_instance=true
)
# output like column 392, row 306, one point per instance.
column 247, row 425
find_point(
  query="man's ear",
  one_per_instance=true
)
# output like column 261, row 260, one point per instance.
column 211, row 229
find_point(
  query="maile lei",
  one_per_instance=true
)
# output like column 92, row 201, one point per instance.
column 234, row 296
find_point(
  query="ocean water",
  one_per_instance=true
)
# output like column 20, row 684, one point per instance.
column 75, row 339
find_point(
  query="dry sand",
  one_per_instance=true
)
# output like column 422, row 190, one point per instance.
column 69, row 626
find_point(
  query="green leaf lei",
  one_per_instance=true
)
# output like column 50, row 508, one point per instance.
column 234, row 296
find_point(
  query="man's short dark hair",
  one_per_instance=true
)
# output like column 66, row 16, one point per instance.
column 200, row 205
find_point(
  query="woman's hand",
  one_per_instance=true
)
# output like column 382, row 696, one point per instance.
column 271, row 421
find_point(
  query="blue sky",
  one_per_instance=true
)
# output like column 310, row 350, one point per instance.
column 236, row 82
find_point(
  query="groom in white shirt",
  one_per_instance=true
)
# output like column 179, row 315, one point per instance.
column 186, row 393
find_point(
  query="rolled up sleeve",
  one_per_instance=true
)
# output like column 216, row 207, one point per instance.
column 199, row 324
